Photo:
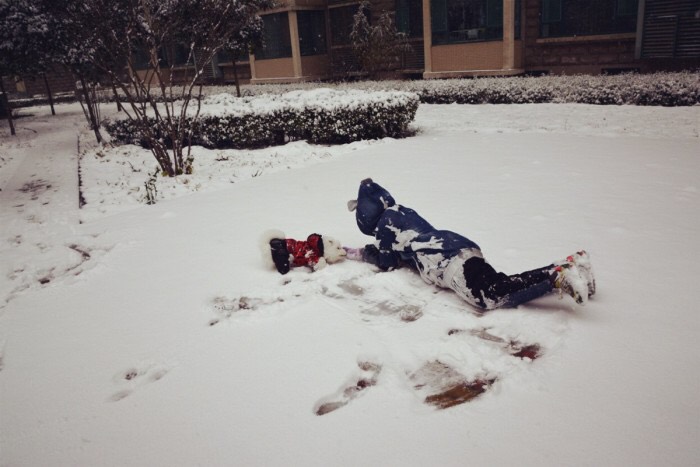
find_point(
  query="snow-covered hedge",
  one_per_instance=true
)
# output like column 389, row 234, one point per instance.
column 663, row 88
column 319, row 116
column 667, row 89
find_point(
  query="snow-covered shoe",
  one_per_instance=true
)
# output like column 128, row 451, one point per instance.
column 582, row 260
column 569, row 280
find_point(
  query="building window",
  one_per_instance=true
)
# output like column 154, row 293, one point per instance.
column 276, row 39
column 140, row 58
column 341, row 24
column 626, row 7
column 409, row 17
column 170, row 55
column 312, row 32
column 225, row 56
column 457, row 21
column 587, row 17
column 178, row 55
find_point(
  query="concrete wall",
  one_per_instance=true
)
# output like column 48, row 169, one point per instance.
column 473, row 56
column 274, row 68
column 315, row 66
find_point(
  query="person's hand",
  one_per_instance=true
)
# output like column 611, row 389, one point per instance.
column 370, row 254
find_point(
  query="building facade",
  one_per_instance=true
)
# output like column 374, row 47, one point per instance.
column 310, row 39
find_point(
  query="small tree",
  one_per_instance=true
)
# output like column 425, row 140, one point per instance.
column 107, row 37
column 376, row 47
column 33, row 40
column 23, row 37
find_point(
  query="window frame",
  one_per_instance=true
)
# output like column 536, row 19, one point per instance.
column 409, row 18
column 340, row 29
column 312, row 35
column 281, row 50
column 557, row 18
column 487, row 27
column 632, row 11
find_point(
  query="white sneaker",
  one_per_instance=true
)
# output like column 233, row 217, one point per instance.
column 570, row 280
column 582, row 260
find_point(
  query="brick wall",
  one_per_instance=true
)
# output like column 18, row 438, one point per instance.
column 60, row 80
column 243, row 70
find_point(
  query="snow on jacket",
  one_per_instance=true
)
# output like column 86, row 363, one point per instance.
column 305, row 252
column 403, row 235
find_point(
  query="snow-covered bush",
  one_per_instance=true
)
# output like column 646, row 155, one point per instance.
column 333, row 117
column 668, row 89
column 662, row 88
column 320, row 116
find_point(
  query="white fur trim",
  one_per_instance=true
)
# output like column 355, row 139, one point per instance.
column 264, row 246
column 332, row 249
column 320, row 264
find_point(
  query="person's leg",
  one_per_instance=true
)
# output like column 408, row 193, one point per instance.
column 492, row 289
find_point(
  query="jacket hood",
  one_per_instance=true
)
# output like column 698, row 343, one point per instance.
column 372, row 201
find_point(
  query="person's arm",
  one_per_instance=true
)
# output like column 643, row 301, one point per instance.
column 383, row 255
column 354, row 254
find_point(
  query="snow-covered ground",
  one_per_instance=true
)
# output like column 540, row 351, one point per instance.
column 153, row 335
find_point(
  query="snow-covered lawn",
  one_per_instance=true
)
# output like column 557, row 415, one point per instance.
column 152, row 335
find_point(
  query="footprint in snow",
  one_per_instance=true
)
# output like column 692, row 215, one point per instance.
column 442, row 386
column 437, row 383
column 226, row 308
column 356, row 386
column 393, row 304
column 35, row 188
column 82, row 258
column 133, row 378
column 514, row 347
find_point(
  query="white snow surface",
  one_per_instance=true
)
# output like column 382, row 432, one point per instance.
column 134, row 335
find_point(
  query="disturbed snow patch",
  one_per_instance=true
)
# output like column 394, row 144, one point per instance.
column 456, row 353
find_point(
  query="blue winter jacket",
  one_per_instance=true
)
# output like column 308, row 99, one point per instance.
column 401, row 232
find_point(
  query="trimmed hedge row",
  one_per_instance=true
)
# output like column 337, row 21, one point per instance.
column 321, row 116
column 661, row 88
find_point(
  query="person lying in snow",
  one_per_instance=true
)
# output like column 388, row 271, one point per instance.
column 315, row 252
column 449, row 260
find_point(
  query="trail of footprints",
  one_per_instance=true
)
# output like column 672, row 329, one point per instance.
column 437, row 383
column 81, row 259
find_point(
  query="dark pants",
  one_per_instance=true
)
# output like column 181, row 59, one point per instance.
column 485, row 283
